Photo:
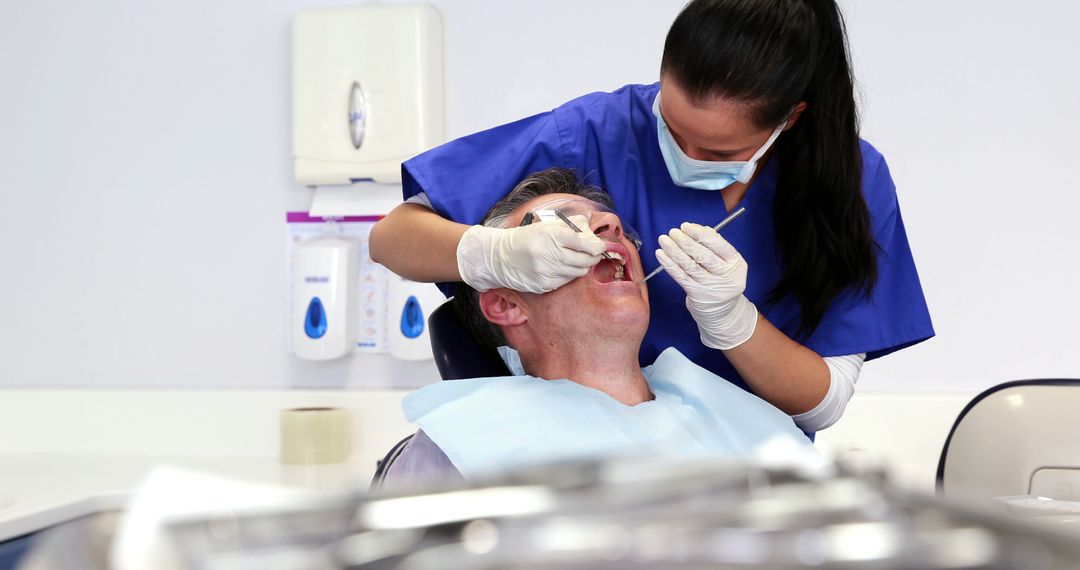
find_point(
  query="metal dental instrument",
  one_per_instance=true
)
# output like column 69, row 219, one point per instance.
column 731, row 217
column 574, row 227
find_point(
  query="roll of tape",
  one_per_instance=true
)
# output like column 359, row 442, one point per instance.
column 312, row 436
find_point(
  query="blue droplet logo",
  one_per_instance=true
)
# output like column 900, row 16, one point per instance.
column 315, row 322
column 412, row 318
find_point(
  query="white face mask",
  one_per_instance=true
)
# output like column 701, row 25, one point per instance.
column 704, row 174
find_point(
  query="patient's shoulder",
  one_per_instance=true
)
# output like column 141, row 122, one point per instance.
column 421, row 464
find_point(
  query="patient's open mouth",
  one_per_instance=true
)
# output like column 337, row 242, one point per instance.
column 613, row 269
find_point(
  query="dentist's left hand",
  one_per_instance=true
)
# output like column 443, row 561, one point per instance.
column 535, row 258
column 713, row 274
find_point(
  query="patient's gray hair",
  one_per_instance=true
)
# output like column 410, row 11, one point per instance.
column 550, row 181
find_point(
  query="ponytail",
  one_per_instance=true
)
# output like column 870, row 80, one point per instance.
column 773, row 54
column 822, row 222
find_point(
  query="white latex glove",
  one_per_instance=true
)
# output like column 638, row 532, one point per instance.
column 536, row 258
column 713, row 274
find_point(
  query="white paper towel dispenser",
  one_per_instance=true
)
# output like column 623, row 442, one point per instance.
column 367, row 91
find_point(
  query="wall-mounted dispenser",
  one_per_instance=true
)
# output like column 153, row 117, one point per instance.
column 324, row 289
column 410, row 303
column 367, row 91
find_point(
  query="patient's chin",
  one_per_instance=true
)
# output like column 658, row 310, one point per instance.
column 631, row 316
column 607, row 310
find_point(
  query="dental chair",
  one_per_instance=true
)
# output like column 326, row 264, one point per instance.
column 457, row 353
column 1017, row 438
column 458, row 356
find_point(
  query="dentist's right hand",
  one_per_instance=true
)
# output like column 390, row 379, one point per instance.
column 535, row 258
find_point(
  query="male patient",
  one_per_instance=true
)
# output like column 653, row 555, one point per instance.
column 577, row 391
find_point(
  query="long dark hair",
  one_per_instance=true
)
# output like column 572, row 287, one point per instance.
column 772, row 54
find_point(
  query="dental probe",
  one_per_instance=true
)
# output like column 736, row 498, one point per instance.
column 563, row 217
column 731, row 217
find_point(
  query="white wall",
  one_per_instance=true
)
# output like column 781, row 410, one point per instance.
column 974, row 104
column 145, row 171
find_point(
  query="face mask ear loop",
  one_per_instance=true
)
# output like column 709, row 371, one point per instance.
column 748, row 169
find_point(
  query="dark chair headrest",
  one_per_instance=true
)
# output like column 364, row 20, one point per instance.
column 457, row 353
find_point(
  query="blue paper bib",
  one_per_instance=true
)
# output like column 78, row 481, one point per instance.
column 489, row 425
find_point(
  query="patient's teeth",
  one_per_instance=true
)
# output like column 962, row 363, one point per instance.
column 619, row 269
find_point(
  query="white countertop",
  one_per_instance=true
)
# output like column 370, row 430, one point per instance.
column 38, row 491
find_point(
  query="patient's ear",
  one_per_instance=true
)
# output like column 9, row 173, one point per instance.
column 502, row 307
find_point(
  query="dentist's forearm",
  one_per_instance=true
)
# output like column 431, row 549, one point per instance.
column 779, row 370
column 417, row 244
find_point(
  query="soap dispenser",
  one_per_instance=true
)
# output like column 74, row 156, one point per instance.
column 324, row 290
column 411, row 304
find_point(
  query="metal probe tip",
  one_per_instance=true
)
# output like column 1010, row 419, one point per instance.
column 731, row 217
column 574, row 227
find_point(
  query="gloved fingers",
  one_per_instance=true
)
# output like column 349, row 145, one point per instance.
column 673, row 269
column 536, row 258
column 544, row 277
column 709, row 238
column 565, row 238
column 573, row 272
column 578, row 260
column 583, row 242
column 704, row 256
column 693, row 270
column 551, row 277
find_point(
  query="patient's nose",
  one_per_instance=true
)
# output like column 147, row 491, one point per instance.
column 607, row 226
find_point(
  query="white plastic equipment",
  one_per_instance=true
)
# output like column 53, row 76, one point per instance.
column 367, row 91
column 324, row 289
column 1018, row 438
column 410, row 305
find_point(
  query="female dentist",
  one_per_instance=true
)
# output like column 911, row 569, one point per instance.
column 754, row 108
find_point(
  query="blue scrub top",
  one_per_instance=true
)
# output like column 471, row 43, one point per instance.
column 611, row 140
